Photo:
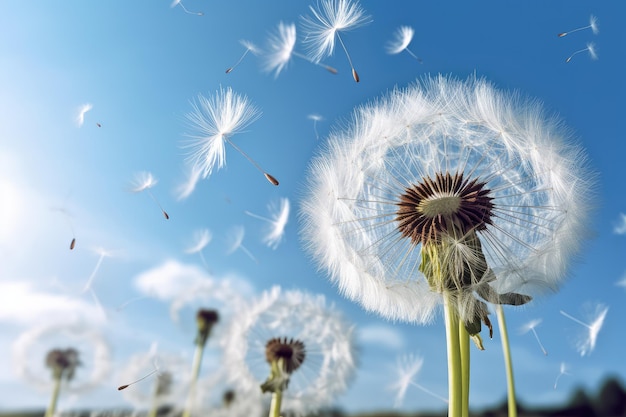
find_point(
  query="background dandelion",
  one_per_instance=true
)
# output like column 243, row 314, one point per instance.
column 278, row 218
column 402, row 38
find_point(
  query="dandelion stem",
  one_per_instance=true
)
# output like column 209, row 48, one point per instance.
column 455, row 377
column 464, row 348
column 506, row 349
column 277, row 399
column 252, row 161
column 50, row 411
column 195, row 371
column 355, row 75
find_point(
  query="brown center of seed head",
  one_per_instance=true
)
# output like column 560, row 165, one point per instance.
column 292, row 352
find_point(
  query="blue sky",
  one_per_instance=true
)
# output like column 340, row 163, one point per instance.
column 140, row 64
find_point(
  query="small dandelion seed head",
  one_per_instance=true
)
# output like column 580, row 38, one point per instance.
column 291, row 351
column 250, row 46
column 315, row 117
column 206, row 319
column 228, row 397
column 280, row 48
column 63, row 362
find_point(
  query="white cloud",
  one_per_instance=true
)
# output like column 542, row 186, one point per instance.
column 184, row 284
column 24, row 305
column 620, row 228
column 386, row 336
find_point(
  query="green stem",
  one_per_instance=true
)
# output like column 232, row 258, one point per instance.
column 506, row 349
column 155, row 400
column 465, row 366
column 455, row 380
column 55, row 396
column 195, row 371
column 277, row 399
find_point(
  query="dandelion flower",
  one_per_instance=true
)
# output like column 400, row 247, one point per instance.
column 279, row 215
column 587, row 344
column 180, row 3
column 402, row 38
column 311, row 340
column 447, row 193
column 281, row 49
column 593, row 25
column 329, row 19
column 90, row 351
column 80, row 114
column 144, row 181
column 217, row 119
column 530, row 327
column 250, row 47
column 591, row 48
column 429, row 157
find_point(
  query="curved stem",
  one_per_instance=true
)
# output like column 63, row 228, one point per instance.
column 55, row 396
column 455, row 380
column 464, row 348
column 506, row 349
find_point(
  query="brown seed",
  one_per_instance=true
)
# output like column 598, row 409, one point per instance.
column 167, row 216
column 560, row 35
column 270, row 178
column 73, row 243
column 355, row 75
column 121, row 387
column 229, row 70
column 331, row 70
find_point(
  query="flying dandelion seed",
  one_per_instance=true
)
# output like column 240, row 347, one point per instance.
column 593, row 25
column 235, row 239
column 201, row 238
column 144, row 181
column 98, row 124
column 587, row 343
column 563, row 370
column 329, row 19
column 250, row 47
column 281, row 48
column 185, row 189
column 180, row 3
column 407, row 368
column 530, row 327
column 591, row 48
column 279, row 215
column 622, row 282
column 316, row 118
column 80, row 114
column 103, row 254
column 217, row 119
column 314, row 334
column 68, row 218
column 170, row 384
column 402, row 38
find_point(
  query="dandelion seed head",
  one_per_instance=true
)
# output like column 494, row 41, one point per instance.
column 216, row 119
column 527, row 327
column 315, row 117
column 486, row 173
column 278, row 322
column 250, row 46
column 402, row 38
column 280, row 48
column 328, row 18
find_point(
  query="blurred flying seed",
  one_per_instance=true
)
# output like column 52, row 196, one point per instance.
column 73, row 243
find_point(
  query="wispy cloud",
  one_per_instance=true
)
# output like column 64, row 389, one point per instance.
column 381, row 335
column 620, row 227
column 24, row 305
